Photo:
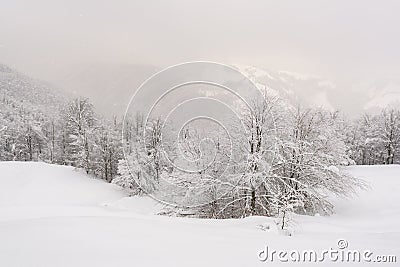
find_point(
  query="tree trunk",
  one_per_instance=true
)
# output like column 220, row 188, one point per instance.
column 253, row 202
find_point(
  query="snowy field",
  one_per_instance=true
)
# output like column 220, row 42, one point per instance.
column 57, row 216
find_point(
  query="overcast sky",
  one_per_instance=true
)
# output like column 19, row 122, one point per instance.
column 344, row 41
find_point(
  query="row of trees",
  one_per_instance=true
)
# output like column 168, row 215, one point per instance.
column 283, row 159
column 375, row 139
column 74, row 136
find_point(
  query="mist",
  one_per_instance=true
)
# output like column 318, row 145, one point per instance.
column 352, row 43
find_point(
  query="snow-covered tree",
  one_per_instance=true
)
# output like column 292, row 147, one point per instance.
column 125, row 178
column 107, row 152
column 389, row 134
column 79, row 124
column 293, row 161
column 375, row 139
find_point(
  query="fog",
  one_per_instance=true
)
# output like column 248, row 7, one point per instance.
column 353, row 43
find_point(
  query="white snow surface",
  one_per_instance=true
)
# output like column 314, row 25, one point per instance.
column 57, row 216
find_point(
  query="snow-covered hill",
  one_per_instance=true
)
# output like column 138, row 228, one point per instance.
column 28, row 113
column 20, row 92
column 309, row 90
column 25, row 101
column 57, row 216
column 382, row 94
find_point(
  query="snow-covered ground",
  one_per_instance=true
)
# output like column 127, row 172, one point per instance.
column 57, row 216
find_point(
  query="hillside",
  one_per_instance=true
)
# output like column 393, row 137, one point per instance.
column 18, row 91
column 26, row 101
column 309, row 90
column 28, row 109
column 82, row 221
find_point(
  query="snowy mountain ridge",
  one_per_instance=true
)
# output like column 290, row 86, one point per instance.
column 306, row 89
column 312, row 90
column 21, row 89
column 383, row 94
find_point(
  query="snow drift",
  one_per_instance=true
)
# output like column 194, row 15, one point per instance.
column 57, row 216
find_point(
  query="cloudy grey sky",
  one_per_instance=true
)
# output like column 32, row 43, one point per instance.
column 348, row 42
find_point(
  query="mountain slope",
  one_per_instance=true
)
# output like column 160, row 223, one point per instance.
column 28, row 109
column 308, row 90
column 382, row 94
column 20, row 91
